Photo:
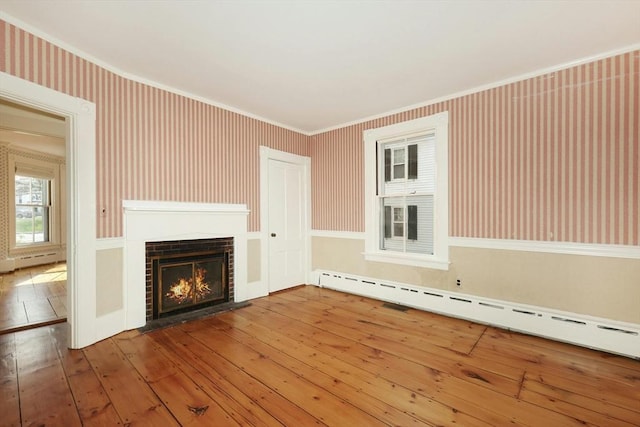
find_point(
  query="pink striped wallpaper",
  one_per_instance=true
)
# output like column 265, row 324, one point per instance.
column 551, row 158
column 555, row 157
column 152, row 144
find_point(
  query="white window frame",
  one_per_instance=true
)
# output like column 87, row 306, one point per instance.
column 49, row 170
column 438, row 124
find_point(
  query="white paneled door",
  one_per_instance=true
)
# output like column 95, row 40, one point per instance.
column 286, row 225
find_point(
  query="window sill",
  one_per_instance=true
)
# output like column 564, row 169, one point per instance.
column 423, row 261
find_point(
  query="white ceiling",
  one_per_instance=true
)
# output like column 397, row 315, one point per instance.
column 31, row 129
column 313, row 65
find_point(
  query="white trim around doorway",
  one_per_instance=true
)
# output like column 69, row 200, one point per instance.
column 80, row 118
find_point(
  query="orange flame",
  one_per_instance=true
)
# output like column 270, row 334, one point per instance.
column 183, row 290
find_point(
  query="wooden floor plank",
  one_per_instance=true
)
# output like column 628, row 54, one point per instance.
column 427, row 411
column 131, row 396
column 189, row 404
column 397, row 342
column 419, row 377
column 321, row 404
column 145, row 355
column 92, row 402
column 334, row 384
column 588, row 405
column 236, row 404
column 310, row 356
column 32, row 296
column 10, row 402
column 430, row 338
column 59, row 305
column 233, row 380
column 45, row 396
column 420, row 321
column 578, row 373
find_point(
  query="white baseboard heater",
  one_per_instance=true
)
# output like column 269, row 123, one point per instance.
column 592, row 332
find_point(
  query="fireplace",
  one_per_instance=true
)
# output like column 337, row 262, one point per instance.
column 186, row 275
column 149, row 221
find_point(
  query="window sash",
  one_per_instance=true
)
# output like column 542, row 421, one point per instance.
column 418, row 165
column 413, row 230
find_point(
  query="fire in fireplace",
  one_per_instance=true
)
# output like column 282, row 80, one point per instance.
column 185, row 281
column 188, row 274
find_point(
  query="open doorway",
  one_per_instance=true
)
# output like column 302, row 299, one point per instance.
column 80, row 225
column 33, row 241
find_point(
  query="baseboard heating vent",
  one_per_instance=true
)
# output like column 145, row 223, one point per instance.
column 597, row 333
column 28, row 260
column 468, row 301
column 396, row 307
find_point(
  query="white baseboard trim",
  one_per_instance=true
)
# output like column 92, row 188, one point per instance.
column 250, row 291
column 592, row 332
column 7, row 265
column 109, row 243
column 338, row 234
column 32, row 259
column 614, row 251
column 254, row 235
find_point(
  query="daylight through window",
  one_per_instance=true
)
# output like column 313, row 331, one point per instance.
column 406, row 192
column 32, row 209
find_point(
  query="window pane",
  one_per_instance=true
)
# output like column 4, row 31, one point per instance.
column 398, row 171
column 32, row 210
column 423, row 206
column 398, row 155
column 413, row 214
column 398, row 214
column 398, row 163
column 391, row 237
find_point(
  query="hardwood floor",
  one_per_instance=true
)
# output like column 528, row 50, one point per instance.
column 33, row 296
column 312, row 356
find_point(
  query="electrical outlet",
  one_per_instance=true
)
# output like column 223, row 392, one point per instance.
column 458, row 282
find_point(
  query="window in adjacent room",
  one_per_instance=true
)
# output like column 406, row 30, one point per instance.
column 33, row 203
column 407, row 192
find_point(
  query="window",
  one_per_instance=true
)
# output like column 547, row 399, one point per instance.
column 406, row 192
column 35, row 199
column 32, row 209
column 406, row 204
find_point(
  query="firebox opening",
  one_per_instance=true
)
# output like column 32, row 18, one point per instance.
column 184, row 282
column 188, row 275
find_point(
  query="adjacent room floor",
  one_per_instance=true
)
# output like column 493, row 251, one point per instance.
column 33, row 297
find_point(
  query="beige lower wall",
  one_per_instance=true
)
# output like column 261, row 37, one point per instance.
column 253, row 260
column 109, row 277
column 110, row 273
column 595, row 286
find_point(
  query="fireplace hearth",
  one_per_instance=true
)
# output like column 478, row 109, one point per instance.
column 188, row 275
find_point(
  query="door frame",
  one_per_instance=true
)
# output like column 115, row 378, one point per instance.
column 267, row 154
column 80, row 118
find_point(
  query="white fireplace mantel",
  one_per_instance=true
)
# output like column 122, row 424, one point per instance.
column 147, row 221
